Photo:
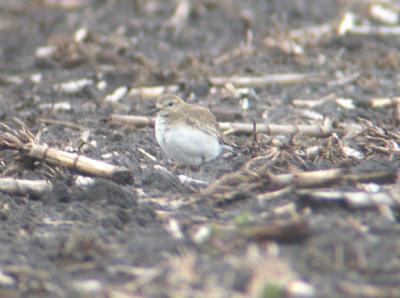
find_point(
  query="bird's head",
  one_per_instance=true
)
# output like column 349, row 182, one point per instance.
column 168, row 102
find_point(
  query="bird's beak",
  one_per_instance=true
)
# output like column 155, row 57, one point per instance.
column 154, row 110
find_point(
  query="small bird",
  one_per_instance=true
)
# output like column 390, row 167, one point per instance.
column 188, row 133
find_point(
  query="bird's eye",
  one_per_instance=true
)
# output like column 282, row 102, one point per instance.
column 170, row 104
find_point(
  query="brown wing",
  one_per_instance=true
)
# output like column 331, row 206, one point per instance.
column 199, row 112
column 203, row 119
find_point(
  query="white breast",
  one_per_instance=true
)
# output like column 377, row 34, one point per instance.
column 160, row 130
column 186, row 144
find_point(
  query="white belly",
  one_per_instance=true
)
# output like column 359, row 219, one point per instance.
column 186, row 144
column 160, row 130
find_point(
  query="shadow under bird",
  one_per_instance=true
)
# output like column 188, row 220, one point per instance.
column 188, row 133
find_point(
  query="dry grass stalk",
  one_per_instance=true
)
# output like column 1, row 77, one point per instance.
column 26, row 143
column 78, row 162
column 245, row 183
column 24, row 187
column 152, row 92
column 384, row 14
column 267, row 80
column 376, row 140
column 354, row 199
column 139, row 121
column 295, row 41
column 239, row 127
column 374, row 30
column 311, row 103
column 287, row 46
column 348, row 26
column 278, row 129
column 375, row 103
column 307, row 179
column 345, row 79
column 384, row 102
column 296, row 229
column 314, row 35
column 274, row 194
column 357, row 289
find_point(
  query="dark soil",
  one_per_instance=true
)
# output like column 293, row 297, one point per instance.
column 157, row 236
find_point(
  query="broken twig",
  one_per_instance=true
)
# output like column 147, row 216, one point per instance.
column 139, row 121
column 245, row 183
column 24, row 141
column 348, row 103
column 278, row 129
column 351, row 199
column 284, row 231
column 274, row 79
column 24, row 187
column 152, row 92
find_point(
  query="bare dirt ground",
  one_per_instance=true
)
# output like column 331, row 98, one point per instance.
column 308, row 208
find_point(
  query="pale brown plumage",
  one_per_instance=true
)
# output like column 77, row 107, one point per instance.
column 186, row 132
column 191, row 114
